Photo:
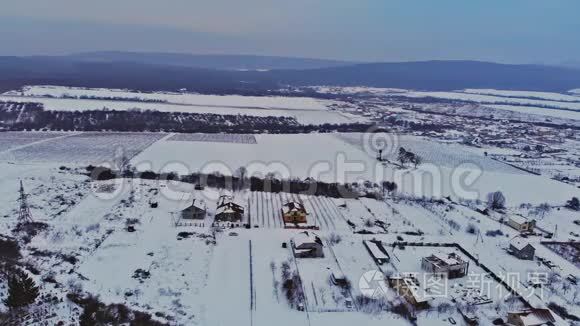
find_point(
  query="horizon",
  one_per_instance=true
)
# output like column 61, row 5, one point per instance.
column 375, row 31
column 345, row 62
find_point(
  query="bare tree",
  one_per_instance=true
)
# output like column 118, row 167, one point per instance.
column 496, row 200
column 542, row 209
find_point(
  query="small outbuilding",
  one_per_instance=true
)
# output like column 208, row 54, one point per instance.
column 522, row 224
column 377, row 251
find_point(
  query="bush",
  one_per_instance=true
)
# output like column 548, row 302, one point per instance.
column 334, row 238
column 9, row 249
column 471, row 229
column 573, row 204
column 493, row 233
column 562, row 311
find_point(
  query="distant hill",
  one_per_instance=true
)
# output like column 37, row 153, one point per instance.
column 209, row 61
column 439, row 75
column 149, row 76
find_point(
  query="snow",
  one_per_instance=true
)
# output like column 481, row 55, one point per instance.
column 197, row 282
column 479, row 98
column 79, row 148
column 525, row 94
column 564, row 114
column 305, row 110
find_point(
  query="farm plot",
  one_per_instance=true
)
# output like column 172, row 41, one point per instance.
column 439, row 154
column 17, row 139
column 216, row 138
column 320, row 292
column 525, row 94
column 494, row 99
column 449, row 170
column 569, row 251
column 265, row 210
column 87, row 148
column 304, row 110
column 273, row 102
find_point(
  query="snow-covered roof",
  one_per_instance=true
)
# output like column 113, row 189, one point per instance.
column 306, row 237
column 375, row 250
column 293, row 206
column 229, row 207
column 226, row 199
column 197, row 204
column 519, row 243
column 535, row 317
column 519, row 219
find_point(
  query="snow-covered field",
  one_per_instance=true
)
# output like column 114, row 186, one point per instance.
column 480, row 98
column 271, row 102
column 525, row 94
column 188, row 279
column 79, row 148
column 565, row 114
column 448, row 169
column 330, row 158
column 305, row 110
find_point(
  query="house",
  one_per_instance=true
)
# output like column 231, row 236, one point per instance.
column 196, row 211
column 522, row 224
column 531, row 317
column 294, row 212
column 408, row 287
column 307, row 245
column 521, row 249
column 228, row 210
column 451, row 265
column 377, row 251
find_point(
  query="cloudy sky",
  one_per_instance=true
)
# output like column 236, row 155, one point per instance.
column 519, row 31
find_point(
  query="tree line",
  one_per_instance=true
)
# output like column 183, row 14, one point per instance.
column 269, row 183
column 32, row 116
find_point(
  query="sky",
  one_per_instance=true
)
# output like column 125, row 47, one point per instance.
column 514, row 31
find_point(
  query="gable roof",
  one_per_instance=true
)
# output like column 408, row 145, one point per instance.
column 520, row 243
column 519, row 219
column 293, row 206
column 229, row 208
column 306, row 237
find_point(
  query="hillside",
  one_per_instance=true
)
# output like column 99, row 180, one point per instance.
column 140, row 74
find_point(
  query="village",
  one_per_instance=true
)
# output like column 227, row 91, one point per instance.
column 171, row 228
column 305, row 257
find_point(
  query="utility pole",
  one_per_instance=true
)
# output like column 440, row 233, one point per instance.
column 24, row 215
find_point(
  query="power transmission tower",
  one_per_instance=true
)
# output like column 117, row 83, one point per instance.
column 24, row 215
